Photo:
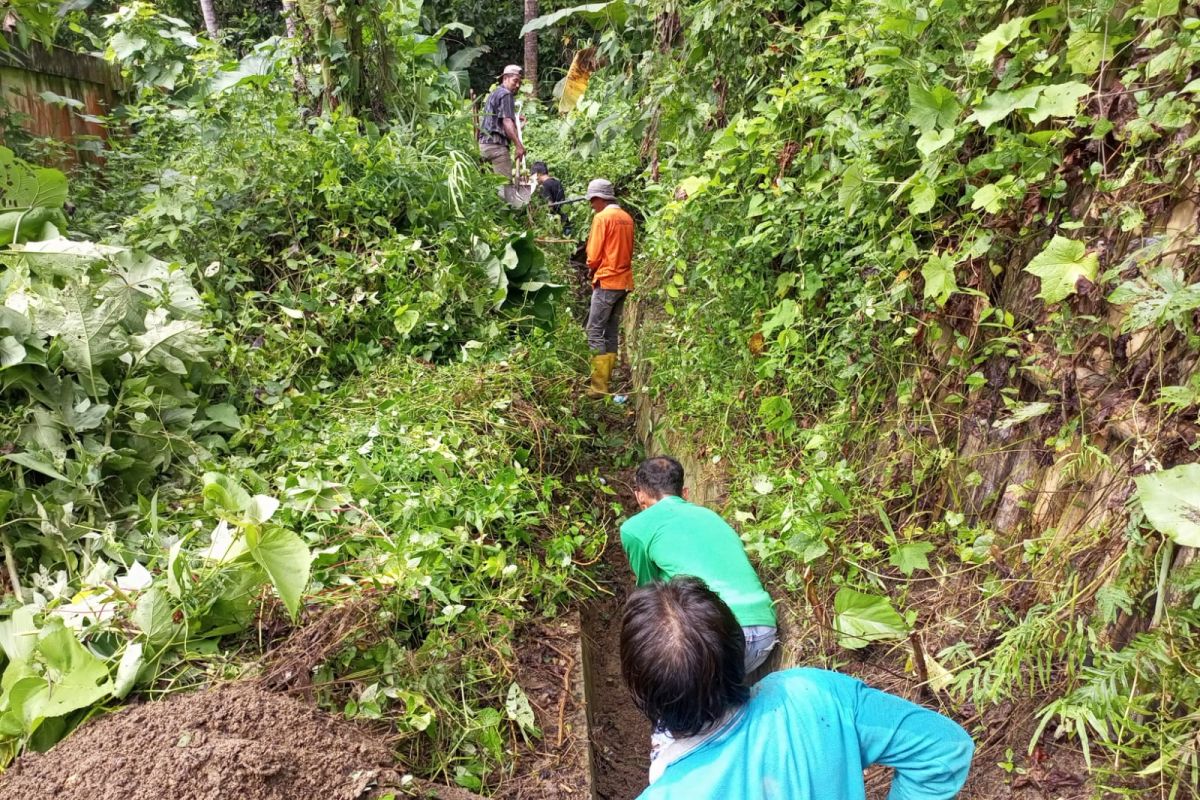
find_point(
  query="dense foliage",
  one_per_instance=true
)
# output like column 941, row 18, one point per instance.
column 917, row 280
column 857, row 203
column 248, row 426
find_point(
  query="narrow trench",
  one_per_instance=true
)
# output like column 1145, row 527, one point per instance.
column 618, row 735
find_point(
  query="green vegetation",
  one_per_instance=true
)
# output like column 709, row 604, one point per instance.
column 918, row 290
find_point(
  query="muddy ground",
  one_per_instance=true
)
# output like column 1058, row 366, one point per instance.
column 620, row 734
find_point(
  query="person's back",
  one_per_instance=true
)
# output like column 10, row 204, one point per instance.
column 802, row 734
column 675, row 537
column 808, row 734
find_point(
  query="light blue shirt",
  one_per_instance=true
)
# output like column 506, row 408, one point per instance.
column 808, row 734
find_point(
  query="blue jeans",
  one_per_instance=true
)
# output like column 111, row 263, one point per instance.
column 760, row 639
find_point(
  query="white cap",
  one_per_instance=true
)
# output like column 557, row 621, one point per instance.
column 602, row 189
column 511, row 69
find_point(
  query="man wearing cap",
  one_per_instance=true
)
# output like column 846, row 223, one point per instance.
column 610, row 262
column 498, row 127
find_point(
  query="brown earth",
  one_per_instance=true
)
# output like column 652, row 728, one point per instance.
column 236, row 740
column 550, row 671
column 620, row 734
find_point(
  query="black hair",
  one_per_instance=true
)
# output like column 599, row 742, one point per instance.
column 659, row 476
column 683, row 655
column 539, row 168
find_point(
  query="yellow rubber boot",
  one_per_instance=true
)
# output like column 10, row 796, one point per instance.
column 602, row 366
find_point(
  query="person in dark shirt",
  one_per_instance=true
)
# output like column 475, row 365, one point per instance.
column 552, row 190
column 498, row 127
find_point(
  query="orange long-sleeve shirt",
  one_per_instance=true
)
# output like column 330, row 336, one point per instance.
column 610, row 249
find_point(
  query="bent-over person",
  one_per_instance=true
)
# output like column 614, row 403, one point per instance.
column 799, row 734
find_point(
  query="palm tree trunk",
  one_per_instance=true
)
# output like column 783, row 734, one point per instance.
column 210, row 19
column 531, row 48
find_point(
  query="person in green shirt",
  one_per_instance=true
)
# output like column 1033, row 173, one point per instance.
column 671, row 537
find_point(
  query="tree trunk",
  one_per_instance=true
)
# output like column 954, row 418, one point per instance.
column 210, row 19
column 531, row 48
column 289, row 18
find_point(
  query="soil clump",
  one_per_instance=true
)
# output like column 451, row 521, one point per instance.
column 236, row 740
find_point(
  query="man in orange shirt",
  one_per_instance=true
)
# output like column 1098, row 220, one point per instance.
column 610, row 262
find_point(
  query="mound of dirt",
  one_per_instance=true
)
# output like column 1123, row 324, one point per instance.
column 233, row 741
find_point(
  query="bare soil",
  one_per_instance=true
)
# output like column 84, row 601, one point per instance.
column 236, row 740
column 620, row 734
column 550, row 671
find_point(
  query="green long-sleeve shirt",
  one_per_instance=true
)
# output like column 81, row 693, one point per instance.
column 675, row 537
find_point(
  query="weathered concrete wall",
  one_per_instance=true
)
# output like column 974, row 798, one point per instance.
column 26, row 74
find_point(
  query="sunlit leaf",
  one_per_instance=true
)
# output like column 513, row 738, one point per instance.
column 865, row 618
column 1171, row 501
column 1060, row 266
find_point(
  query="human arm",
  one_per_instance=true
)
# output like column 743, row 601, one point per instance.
column 639, row 557
column 510, row 130
column 930, row 753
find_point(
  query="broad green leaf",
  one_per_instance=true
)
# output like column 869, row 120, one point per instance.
column 998, row 105
column 938, row 274
column 24, row 186
column 76, row 678
column 84, row 415
column 168, row 344
column 1155, row 9
column 776, row 412
column 127, row 670
column 1060, row 266
column 518, row 709
column 1171, row 501
column 225, row 493
column 89, row 334
column 37, row 464
column 165, row 284
column 932, row 108
column 123, row 46
column 1086, row 49
column 18, row 633
column 991, row 44
column 910, row 557
column 286, row 559
column 612, row 10
column 1023, row 412
column 1058, row 100
column 225, row 414
column 922, row 198
column 864, row 618
column 930, row 141
column 154, row 617
column 991, row 197
column 12, row 352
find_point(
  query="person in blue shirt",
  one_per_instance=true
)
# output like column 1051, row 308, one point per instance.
column 800, row 734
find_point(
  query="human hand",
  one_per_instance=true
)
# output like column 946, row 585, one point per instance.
column 519, row 152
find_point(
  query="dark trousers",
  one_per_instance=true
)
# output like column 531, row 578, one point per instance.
column 604, row 320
